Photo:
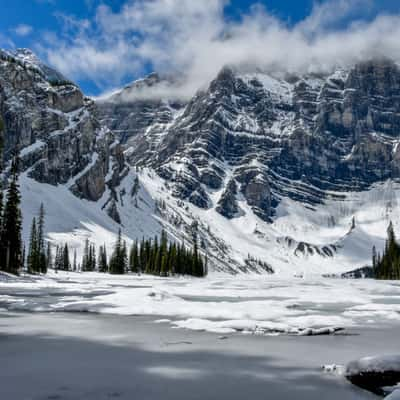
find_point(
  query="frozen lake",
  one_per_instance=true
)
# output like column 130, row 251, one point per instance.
column 90, row 336
column 220, row 304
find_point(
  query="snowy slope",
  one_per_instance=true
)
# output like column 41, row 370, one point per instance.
column 227, row 242
column 72, row 220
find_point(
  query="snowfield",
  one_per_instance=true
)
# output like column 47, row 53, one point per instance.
column 249, row 304
column 334, row 237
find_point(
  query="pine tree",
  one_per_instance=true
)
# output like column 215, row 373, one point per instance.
column 66, row 266
column 74, row 266
column 12, row 225
column 85, row 257
column 134, row 263
column 59, row 259
column 388, row 266
column 103, row 266
column 124, row 257
column 33, row 256
column 118, row 258
column 40, row 241
column 49, row 260
column 94, row 259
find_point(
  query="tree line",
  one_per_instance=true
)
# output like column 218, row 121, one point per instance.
column 149, row 256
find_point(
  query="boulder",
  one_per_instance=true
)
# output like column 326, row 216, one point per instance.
column 374, row 373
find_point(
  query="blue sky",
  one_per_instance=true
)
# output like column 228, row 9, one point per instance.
column 60, row 29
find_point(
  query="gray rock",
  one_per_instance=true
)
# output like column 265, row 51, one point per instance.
column 227, row 204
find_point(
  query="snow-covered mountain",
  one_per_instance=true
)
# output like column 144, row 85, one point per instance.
column 297, row 172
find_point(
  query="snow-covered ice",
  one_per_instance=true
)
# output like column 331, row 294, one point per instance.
column 251, row 304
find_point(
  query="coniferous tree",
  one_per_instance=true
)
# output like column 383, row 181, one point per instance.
column 93, row 258
column 49, row 260
column 58, row 261
column 103, row 265
column 134, row 262
column 11, row 256
column 40, row 241
column 37, row 262
column 66, row 266
column 118, row 258
column 74, row 265
column 124, row 257
column 85, row 258
column 33, row 256
column 387, row 266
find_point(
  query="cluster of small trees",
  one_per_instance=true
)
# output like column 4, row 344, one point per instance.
column 89, row 257
column 61, row 259
column 153, row 256
column 387, row 265
column 163, row 258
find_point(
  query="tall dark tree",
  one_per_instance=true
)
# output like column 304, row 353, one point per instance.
column 118, row 258
column 40, row 240
column 74, row 265
column 49, row 257
column 37, row 262
column 12, row 224
column 103, row 264
column 33, row 256
column 66, row 265
column 387, row 266
column 85, row 257
column 134, row 263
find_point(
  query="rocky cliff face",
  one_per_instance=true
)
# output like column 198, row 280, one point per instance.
column 54, row 126
column 294, row 136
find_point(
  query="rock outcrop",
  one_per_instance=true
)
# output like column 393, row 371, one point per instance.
column 54, row 126
column 227, row 204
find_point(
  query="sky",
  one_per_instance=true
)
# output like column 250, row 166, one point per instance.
column 105, row 44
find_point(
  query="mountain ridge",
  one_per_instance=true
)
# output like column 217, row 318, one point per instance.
column 264, row 168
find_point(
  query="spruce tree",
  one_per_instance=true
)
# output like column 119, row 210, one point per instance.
column 124, row 257
column 40, row 241
column 12, row 225
column 85, row 258
column 33, row 256
column 103, row 266
column 74, row 265
column 388, row 266
column 66, row 266
column 49, row 261
column 134, row 263
column 118, row 258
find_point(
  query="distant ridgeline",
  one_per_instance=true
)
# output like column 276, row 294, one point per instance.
column 387, row 265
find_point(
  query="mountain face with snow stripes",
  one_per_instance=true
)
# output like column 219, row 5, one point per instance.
column 297, row 173
column 296, row 137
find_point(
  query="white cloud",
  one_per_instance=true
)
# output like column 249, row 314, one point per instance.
column 23, row 30
column 194, row 40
